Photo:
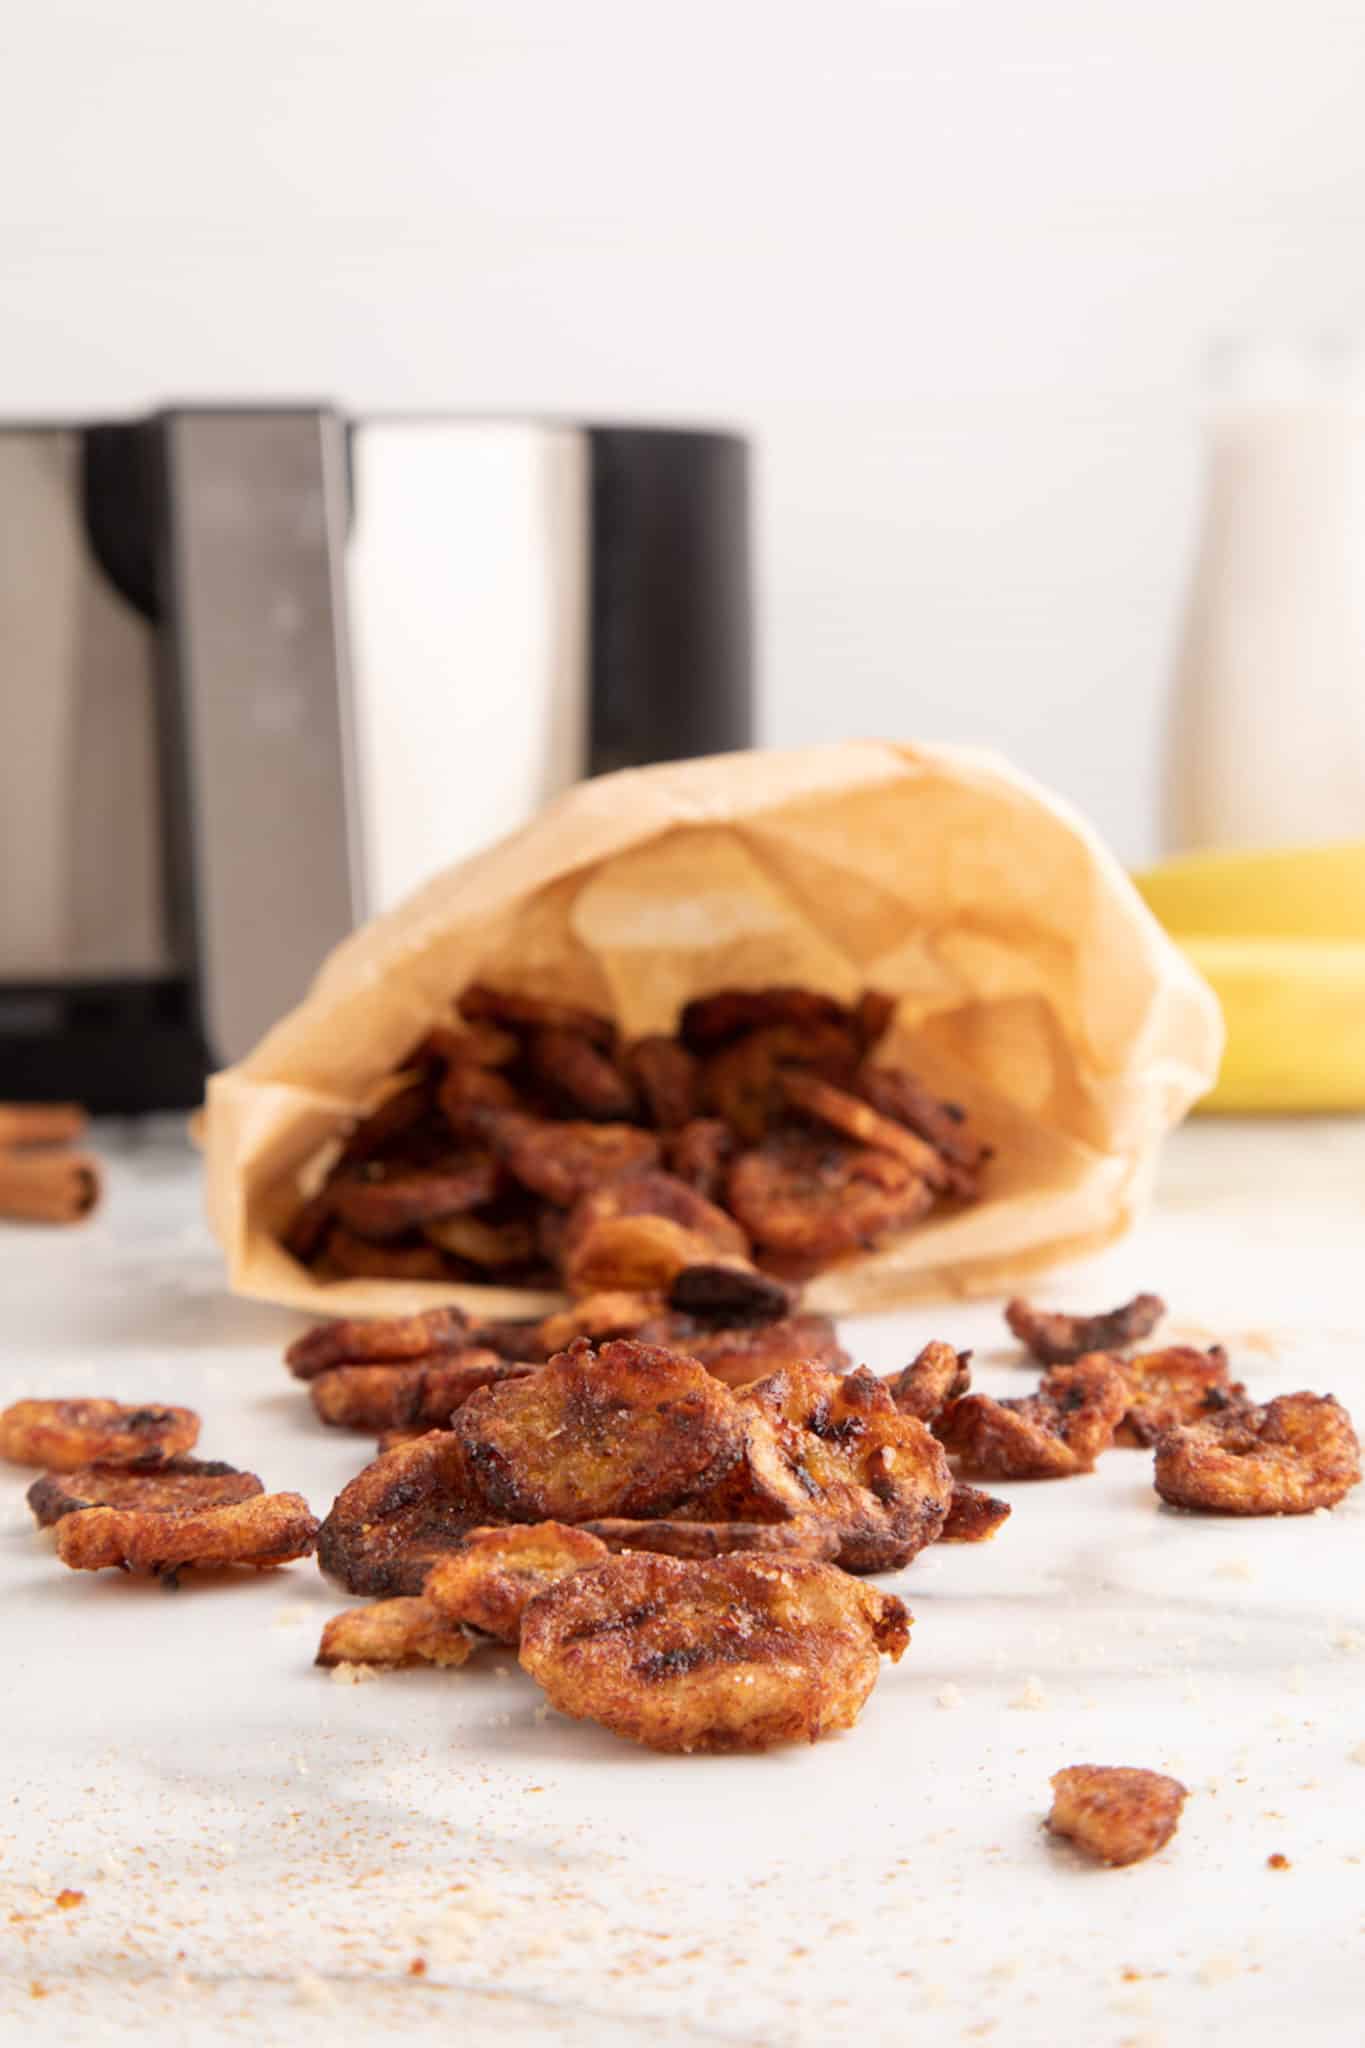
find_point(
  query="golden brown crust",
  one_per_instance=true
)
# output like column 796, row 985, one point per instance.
column 665, row 1076
column 973, row 1516
column 1055, row 1338
column 421, row 1395
column 1114, row 1814
column 171, row 1486
column 389, row 1204
column 364, row 1340
column 1175, row 1386
column 486, row 1583
column 267, row 1530
column 405, row 1630
column 387, row 1528
column 628, row 1429
column 807, row 1537
column 935, row 1376
column 656, row 1196
column 63, row 1436
column 836, row 1447
column 754, row 1350
column 737, row 1653
column 1295, row 1454
column 1052, row 1434
column 812, row 1197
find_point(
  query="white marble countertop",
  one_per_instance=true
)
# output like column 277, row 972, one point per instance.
column 265, row 1854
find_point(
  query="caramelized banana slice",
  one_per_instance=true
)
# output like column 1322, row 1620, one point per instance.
column 563, row 1160
column 897, row 1094
column 406, row 1199
column 700, row 1154
column 424, row 1394
column 65, row 1435
column 818, row 1099
column 173, row 1486
column 745, row 1083
column 711, row 1021
column 394, row 1632
column 1115, row 1815
column 836, row 1447
column 486, row 1583
column 349, row 1257
column 1167, row 1388
column 754, row 1350
column 809, row 1196
column 973, row 1516
column 632, row 1255
column 270, row 1529
column 626, row 1430
column 482, row 1005
column 808, row 1537
column 932, row 1379
column 391, row 1523
column 1052, row 1434
column 1295, row 1454
column 1058, row 1339
column 732, row 1654
column 665, row 1076
column 376, row 1339
column 481, row 1243
column 578, row 1078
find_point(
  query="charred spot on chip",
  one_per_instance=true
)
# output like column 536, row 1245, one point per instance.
column 1055, row 1338
column 364, row 1340
column 258, row 1533
column 664, row 1074
column 1295, row 1454
column 167, row 1486
column 483, row 1005
column 1114, row 1814
column 938, row 1374
column 390, row 1524
column 1174, row 1386
column 733, row 1653
column 812, row 1196
column 487, row 1582
column 628, row 1429
column 64, row 1436
column 391, row 1633
column 1052, row 1434
column 973, row 1516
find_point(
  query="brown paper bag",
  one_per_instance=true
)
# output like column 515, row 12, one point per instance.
column 1033, row 986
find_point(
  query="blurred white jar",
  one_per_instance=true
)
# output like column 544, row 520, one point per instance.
column 1267, row 733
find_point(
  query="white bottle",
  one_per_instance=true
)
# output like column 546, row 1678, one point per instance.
column 1267, row 730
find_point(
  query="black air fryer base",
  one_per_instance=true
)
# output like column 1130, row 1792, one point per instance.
column 119, row 1047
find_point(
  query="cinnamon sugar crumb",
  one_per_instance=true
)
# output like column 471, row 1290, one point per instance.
column 353, row 1674
column 67, row 1899
column 1278, row 1862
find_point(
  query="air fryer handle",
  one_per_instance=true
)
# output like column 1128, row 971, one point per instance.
column 671, row 608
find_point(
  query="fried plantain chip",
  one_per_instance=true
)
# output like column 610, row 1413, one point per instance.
column 169, row 1486
column 753, row 1350
column 389, row 1205
column 613, row 1313
column 476, row 1045
column 973, row 1516
column 348, row 1257
column 467, row 1089
column 626, row 1430
column 393, row 1632
column 1179, row 1384
column 836, row 1447
column 736, row 1653
column 819, row 1100
column 421, row 1395
column 63, row 1436
column 745, row 1082
column 259, row 1533
column 1058, row 1339
column 1052, row 1434
column 1115, row 1815
column 578, row 1078
column 874, row 1014
column 1293, row 1455
column 664, row 1073
column 563, row 1160
column 937, row 1375
column 711, row 1021
column 700, row 1154
column 390, row 1524
column 632, row 1255
column 806, row 1537
column 365, row 1340
column 811, row 1196
column 483, row 1005
column 482, row 1243
column 486, row 1583
column 652, row 1194
column 897, row 1094
column 386, row 1128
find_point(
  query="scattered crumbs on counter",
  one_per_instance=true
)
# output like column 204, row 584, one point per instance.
column 68, row 1899
column 1352, row 1639
column 1318, row 1513
column 309, row 1989
column 1218, row 1969
column 1297, row 1680
column 949, row 1695
column 292, row 1614
column 1031, row 1693
column 1234, row 1568
column 354, row 1674
column 417, row 1967
column 1278, row 1862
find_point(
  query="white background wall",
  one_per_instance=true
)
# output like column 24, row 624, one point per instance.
column 953, row 262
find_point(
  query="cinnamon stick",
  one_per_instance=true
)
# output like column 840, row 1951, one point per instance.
column 40, row 1123
column 56, row 1187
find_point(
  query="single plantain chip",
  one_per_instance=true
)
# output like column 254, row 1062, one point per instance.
column 168, row 1486
column 562, row 1161
column 1174, row 1386
column 63, row 1436
column 700, row 1153
column 898, row 1095
column 627, row 1430
column 578, row 1078
column 746, row 1082
column 390, row 1524
column 1294, row 1455
column 388, row 1633
column 735, row 1653
column 386, row 1207
column 1058, row 1339
column 937, row 1375
column 376, row 1339
column 825, row 1104
column 1052, row 1434
column 816, row 1197
column 423, row 1394
column 973, row 1516
column 260, row 1533
column 1116, row 1815
column 665, row 1076
column 486, row 1583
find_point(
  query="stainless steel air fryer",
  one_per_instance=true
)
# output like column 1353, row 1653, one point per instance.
column 265, row 670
